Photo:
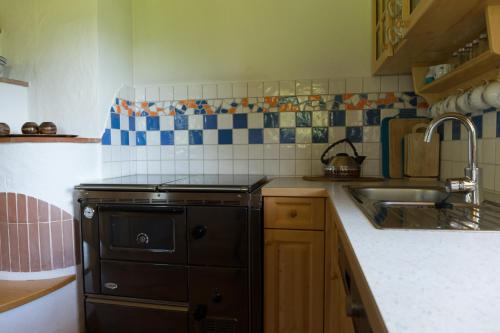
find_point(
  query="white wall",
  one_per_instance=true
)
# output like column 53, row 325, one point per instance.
column 75, row 54
column 245, row 40
column 13, row 106
column 115, row 61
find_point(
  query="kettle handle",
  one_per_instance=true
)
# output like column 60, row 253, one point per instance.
column 323, row 157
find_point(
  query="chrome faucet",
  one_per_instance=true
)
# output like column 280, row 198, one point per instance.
column 470, row 183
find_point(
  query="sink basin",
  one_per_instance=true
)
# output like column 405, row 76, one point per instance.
column 399, row 194
column 423, row 208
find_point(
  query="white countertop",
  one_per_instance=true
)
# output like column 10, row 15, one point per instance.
column 422, row 280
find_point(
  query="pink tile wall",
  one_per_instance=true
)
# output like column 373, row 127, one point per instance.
column 34, row 235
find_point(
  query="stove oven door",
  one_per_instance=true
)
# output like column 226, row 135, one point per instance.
column 143, row 233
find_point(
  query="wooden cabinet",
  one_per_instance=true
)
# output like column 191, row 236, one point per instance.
column 294, row 213
column 293, row 280
column 294, row 263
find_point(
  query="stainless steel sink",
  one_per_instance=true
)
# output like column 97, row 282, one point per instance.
column 423, row 208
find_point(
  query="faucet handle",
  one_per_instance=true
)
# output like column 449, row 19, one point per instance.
column 459, row 185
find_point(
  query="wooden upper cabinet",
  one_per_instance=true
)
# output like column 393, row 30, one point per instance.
column 293, row 281
column 294, row 213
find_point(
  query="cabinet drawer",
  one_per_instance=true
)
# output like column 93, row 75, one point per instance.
column 142, row 280
column 294, row 213
column 106, row 316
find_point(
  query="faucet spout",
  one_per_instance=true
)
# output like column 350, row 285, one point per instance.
column 471, row 182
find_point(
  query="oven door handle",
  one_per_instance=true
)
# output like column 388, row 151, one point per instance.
column 142, row 208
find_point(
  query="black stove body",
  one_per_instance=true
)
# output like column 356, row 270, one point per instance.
column 172, row 254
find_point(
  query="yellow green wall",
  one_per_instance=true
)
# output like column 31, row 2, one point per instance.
column 229, row 40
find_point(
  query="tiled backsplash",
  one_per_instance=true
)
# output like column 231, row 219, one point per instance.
column 273, row 128
column 454, row 149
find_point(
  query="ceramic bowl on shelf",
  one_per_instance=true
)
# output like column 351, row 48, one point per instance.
column 30, row 128
column 47, row 127
column 450, row 103
column 4, row 129
column 491, row 94
column 476, row 100
column 463, row 102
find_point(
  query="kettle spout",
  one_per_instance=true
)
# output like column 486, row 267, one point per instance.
column 360, row 159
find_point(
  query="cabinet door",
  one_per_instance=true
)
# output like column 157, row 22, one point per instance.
column 293, row 281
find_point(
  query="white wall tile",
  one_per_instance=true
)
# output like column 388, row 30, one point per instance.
column 287, row 167
column 180, row 91
column 389, row 83
column 240, row 90
column 167, row 153
column 154, row 167
column 210, row 137
column 181, row 167
column 195, row 122
column 489, row 125
column 317, row 168
column 271, row 135
column 240, row 136
column 225, row 121
column 210, row 91
column 195, row 91
column 371, row 168
column 271, row 167
column 371, row 84
column 196, row 152
column 256, row 167
column 225, row 90
column 140, row 93
column 255, row 89
column 320, row 119
column 153, row 153
column 152, row 94
column 240, row 151
column 166, row 92
column 405, row 83
column 256, row 152
column 287, row 119
column 337, row 86
column 287, row 152
column 372, row 150
column 211, row 152
column 354, row 118
column 354, row 85
column 142, row 153
column 211, row 167
column 142, row 167
column 140, row 123
column 226, row 167
column 303, row 87
column 320, row 87
column 241, row 167
column 271, row 88
column 255, row 120
column 497, row 151
column 181, row 137
column 489, row 177
column 303, row 151
column 497, row 178
column 225, row 152
column 287, row 88
column 153, row 138
column 489, row 151
column 271, row 151
column 303, row 167
column 196, row 167
column 318, row 149
column 336, row 133
column 181, row 152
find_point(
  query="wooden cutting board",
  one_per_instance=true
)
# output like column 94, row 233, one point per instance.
column 398, row 128
column 421, row 159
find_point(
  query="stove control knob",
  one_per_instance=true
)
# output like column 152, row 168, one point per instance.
column 89, row 212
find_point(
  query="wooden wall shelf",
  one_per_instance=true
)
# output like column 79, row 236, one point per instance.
column 15, row 82
column 484, row 67
column 436, row 29
column 47, row 140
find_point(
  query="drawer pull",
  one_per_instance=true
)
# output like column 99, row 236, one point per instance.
column 199, row 231
column 142, row 239
column 111, row 285
column 293, row 213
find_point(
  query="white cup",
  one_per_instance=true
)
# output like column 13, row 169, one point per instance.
column 476, row 100
column 437, row 109
column 491, row 94
column 450, row 103
column 463, row 103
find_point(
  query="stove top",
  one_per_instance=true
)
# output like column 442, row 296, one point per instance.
column 178, row 183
